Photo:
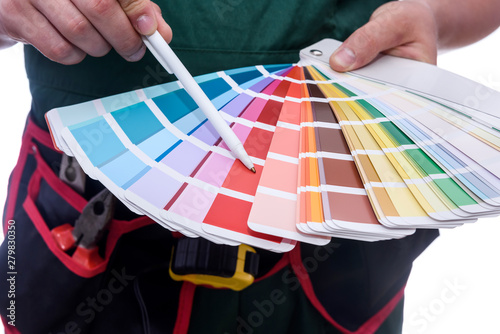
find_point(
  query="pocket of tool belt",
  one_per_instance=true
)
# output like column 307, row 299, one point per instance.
column 47, row 285
column 51, row 203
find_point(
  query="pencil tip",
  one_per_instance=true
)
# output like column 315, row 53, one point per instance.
column 253, row 170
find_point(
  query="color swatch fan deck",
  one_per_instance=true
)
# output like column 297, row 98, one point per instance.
column 337, row 155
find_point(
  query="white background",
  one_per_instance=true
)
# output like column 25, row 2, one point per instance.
column 454, row 286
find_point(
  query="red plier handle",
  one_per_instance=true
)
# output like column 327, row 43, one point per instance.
column 87, row 231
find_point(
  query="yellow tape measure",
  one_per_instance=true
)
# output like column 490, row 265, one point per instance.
column 202, row 262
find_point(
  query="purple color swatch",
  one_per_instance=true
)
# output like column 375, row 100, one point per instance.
column 259, row 86
column 184, row 158
column 156, row 187
column 206, row 133
column 237, row 105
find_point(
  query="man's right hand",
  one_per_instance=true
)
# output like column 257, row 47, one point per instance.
column 67, row 30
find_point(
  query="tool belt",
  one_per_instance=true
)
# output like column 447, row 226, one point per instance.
column 128, row 286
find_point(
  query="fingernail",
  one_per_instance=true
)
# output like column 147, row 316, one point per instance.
column 344, row 57
column 138, row 55
column 145, row 25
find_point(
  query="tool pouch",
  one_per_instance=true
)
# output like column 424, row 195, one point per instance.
column 47, row 286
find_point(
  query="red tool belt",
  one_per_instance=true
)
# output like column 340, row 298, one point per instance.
column 344, row 287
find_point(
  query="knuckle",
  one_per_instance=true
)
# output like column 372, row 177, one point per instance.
column 79, row 26
column 61, row 52
column 101, row 7
column 8, row 11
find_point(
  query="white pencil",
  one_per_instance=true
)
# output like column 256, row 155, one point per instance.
column 167, row 58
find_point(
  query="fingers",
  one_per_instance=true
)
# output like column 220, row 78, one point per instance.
column 73, row 26
column 363, row 46
column 114, row 26
column 163, row 28
column 22, row 22
column 122, row 22
column 405, row 29
column 146, row 17
column 141, row 14
column 67, row 30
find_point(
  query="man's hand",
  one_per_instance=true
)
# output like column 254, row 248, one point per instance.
column 67, row 30
column 402, row 28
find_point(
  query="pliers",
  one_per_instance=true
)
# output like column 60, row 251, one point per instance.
column 87, row 231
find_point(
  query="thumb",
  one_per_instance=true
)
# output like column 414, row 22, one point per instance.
column 141, row 14
column 363, row 46
column 400, row 28
column 387, row 28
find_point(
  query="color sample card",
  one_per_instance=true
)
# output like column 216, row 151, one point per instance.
column 406, row 189
column 274, row 207
column 419, row 171
column 345, row 202
column 336, row 155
